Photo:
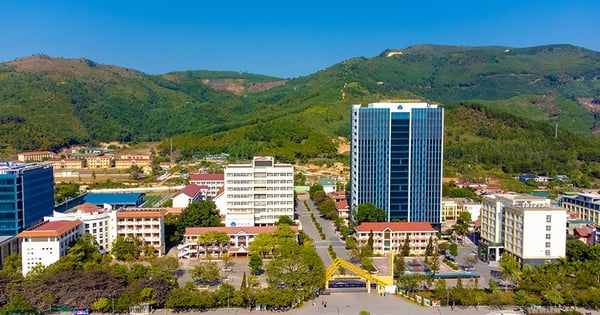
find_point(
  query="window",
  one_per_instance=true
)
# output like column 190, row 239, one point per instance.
column 548, row 218
column 547, row 252
column 547, row 244
column 548, row 236
column 548, row 227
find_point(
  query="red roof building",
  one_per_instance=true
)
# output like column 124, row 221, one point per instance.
column 390, row 236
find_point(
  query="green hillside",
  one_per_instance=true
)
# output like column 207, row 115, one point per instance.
column 48, row 103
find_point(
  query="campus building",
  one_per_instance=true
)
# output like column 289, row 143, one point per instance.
column 96, row 221
column 396, row 159
column 258, row 193
column 46, row 243
column 390, row 236
column 147, row 224
column 26, row 195
column 529, row 228
column 240, row 239
column 214, row 182
column 586, row 206
column 35, row 156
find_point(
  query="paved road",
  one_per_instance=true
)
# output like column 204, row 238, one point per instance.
column 331, row 238
column 353, row 303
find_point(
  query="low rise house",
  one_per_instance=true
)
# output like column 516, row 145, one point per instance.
column 390, row 236
column 35, row 156
column 8, row 245
column 328, row 184
column 190, row 194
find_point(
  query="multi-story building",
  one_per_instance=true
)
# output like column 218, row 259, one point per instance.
column 586, row 206
column 99, row 161
column 390, row 236
column 214, row 182
column 26, row 195
column 453, row 207
column 147, row 224
column 96, row 221
column 396, row 159
column 66, row 163
column 529, row 228
column 35, row 156
column 46, row 243
column 127, row 163
column 239, row 240
column 259, row 193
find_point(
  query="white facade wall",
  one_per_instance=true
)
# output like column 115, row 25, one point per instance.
column 544, row 233
column 262, row 192
column 182, row 201
column 97, row 224
column 46, row 249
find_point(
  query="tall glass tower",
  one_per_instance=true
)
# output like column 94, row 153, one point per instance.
column 396, row 159
column 26, row 195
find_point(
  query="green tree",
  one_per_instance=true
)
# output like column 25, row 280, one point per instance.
column 262, row 245
column 199, row 214
column 314, row 189
column 368, row 212
column 126, row 248
column 406, row 246
column 430, row 247
column 510, row 269
column 453, row 249
column 327, row 209
column 284, row 219
column 399, row 265
column 206, row 273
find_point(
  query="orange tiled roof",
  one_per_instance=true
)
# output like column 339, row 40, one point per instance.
column 253, row 230
column 142, row 213
column 51, row 228
column 395, row 226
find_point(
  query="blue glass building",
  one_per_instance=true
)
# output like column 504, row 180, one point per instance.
column 26, row 195
column 396, row 159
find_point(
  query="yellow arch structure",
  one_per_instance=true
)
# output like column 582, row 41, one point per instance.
column 381, row 280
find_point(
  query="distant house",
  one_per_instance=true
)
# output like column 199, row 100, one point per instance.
column 343, row 209
column 538, row 179
column 328, row 185
column 66, row 163
column 191, row 193
column 35, row 156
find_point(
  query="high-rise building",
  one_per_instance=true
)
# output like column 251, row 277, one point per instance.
column 258, row 194
column 396, row 159
column 26, row 195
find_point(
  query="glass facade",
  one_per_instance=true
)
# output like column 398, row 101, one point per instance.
column 396, row 159
column 26, row 196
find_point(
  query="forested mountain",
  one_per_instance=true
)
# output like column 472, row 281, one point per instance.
column 48, row 103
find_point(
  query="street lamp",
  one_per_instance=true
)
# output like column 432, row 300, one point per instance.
column 112, row 296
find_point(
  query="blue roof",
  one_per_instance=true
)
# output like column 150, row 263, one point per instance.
column 114, row 199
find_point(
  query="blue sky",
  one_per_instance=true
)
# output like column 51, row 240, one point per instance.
column 280, row 38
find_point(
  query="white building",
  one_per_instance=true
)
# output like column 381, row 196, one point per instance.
column 191, row 193
column 213, row 182
column 147, row 224
column 328, row 184
column 258, row 193
column 95, row 220
column 527, row 227
column 47, row 242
